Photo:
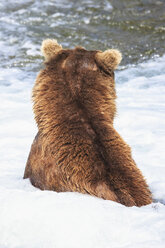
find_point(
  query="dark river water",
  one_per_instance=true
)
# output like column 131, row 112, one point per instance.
column 137, row 28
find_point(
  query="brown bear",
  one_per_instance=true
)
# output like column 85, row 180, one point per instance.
column 77, row 148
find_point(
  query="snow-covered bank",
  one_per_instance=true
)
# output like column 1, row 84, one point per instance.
column 42, row 219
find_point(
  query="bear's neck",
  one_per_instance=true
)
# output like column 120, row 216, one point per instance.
column 55, row 106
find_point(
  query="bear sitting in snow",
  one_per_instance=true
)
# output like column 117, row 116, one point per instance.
column 77, row 148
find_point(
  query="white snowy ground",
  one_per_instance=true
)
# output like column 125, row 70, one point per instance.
column 30, row 218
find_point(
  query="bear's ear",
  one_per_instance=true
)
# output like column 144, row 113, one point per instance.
column 110, row 58
column 50, row 48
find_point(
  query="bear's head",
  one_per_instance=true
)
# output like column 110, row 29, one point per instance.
column 80, row 57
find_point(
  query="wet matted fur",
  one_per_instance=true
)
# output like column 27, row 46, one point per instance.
column 77, row 148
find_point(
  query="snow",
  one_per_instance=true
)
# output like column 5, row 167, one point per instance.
column 33, row 218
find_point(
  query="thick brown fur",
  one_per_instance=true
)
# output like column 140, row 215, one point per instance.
column 77, row 148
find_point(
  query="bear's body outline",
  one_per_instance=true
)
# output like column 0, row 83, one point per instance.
column 77, row 148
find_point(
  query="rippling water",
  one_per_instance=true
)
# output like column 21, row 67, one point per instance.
column 135, row 27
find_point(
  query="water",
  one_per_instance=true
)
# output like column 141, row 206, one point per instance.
column 134, row 27
column 29, row 216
